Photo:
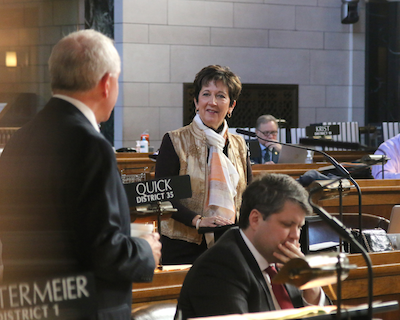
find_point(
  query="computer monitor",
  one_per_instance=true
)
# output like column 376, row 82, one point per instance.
column 316, row 235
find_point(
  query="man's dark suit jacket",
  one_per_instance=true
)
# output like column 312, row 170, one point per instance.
column 256, row 154
column 63, row 209
column 226, row 279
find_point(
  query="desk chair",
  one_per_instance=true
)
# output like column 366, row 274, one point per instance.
column 157, row 311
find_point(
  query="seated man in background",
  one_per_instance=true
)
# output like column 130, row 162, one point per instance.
column 390, row 148
column 262, row 151
column 233, row 277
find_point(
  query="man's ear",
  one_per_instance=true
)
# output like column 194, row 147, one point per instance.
column 105, row 84
column 255, row 218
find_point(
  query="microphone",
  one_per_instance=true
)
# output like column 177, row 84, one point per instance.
column 342, row 170
column 247, row 133
column 333, row 161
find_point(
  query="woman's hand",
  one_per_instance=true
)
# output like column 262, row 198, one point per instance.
column 214, row 221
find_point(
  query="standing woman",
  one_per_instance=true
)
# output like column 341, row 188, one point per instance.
column 216, row 160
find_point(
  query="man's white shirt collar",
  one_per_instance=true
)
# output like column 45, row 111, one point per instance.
column 262, row 263
column 87, row 112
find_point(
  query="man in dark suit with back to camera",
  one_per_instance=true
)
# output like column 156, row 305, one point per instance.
column 233, row 277
column 63, row 208
column 262, row 151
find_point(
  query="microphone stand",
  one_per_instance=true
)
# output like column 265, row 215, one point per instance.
column 342, row 170
column 334, row 223
column 346, row 234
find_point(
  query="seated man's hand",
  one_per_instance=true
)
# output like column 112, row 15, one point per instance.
column 276, row 146
column 290, row 251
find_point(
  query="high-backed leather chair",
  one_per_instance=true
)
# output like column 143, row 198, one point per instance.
column 369, row 221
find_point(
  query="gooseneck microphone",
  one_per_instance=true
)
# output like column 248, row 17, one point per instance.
column 342, row 170
column 334, row 223
column 346, row 234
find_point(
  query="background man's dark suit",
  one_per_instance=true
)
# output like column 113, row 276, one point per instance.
column 226, row 279
column 63, row 208
column 256, row 154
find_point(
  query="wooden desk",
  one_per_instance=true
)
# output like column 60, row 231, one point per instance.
column 294, row 170
column 297, row 169
column 378, row 197
column 386, row 281
column 139, row 160
column 165, row 287
column 135, row 160
column 341, row 156
column 386, row 268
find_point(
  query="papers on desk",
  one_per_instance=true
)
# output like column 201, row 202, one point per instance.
column 296, row 313
column 323, row 245
column 176, row 267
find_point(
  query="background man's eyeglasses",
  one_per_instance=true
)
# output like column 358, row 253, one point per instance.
column 269, row 133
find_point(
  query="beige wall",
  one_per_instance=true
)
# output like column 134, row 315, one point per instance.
column 164, row 43
column 31, row 28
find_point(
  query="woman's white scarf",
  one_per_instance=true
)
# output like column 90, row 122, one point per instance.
column 222, row 177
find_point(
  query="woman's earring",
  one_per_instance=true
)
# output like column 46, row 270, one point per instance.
column 197, row 110
column 229, row 115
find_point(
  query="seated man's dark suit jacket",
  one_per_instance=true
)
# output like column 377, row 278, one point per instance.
column 226, row 279
column 63, row 209
column 256, row 154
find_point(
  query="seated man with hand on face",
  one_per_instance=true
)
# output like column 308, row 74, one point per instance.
column 233, row 277
column 262, row 151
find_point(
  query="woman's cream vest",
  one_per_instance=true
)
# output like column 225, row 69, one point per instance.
column 191, row 147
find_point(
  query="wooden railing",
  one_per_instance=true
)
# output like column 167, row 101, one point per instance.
column 5, row 135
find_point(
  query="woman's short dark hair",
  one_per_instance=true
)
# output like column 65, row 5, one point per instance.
column 269, row 193
column 217, row 73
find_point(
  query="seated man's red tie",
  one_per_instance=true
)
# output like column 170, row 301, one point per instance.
column 280, row 292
